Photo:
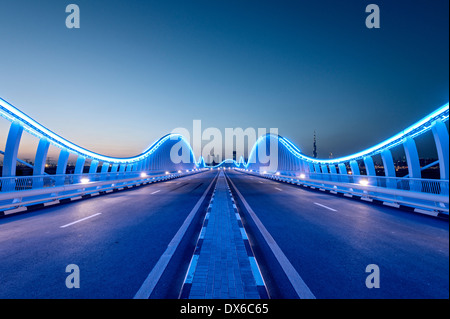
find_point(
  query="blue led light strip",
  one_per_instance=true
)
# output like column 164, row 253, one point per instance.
column 13, row 114
column 412, row 131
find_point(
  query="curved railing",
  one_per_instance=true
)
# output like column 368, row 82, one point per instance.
column 14, row 115
column 290, row 162
column 356, row 174
column 427, row 123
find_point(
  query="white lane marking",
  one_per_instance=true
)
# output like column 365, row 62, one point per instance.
column 80, row 220
column 278, row 188
column 332, row 209
column 192, row 266
column 261, row 182
column 156, row 192
column 297, row 282
column 153, row 277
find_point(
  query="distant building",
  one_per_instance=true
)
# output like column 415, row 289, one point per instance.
column 314, row 146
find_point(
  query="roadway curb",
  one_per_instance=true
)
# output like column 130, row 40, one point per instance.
column 150, row 283
column 422, row 212
column 187, row 283
column 404, row 208
column 300, row 288
column 76, row 197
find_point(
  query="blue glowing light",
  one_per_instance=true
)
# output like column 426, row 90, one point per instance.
column 412, row 131
column 13, row 114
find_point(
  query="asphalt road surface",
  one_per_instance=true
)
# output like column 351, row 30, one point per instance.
column 119, row 240
column 330, row 241
column 114, row 239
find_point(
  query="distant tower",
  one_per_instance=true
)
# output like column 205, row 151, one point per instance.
column 314, row 146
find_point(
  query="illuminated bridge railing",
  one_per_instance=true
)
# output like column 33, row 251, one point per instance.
column 155, row 157
column 429, row 194
column 23, row 183
column 431, row 186
column 357, row 174
column 291, row 160
column 32, row 190
column 287, row 160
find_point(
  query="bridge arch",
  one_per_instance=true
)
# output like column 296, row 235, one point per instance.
column 156, row 158
column 291, row 161
column 288, row 160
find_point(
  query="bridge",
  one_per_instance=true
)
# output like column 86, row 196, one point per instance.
column 283, row 226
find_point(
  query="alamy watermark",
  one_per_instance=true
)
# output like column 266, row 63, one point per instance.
column 73, row 19
column 235, row 143
column 73, row 279
column 373, row 19
column 373, row 279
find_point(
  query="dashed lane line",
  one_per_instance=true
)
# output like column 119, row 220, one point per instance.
column 326, row 207
column 79, row 220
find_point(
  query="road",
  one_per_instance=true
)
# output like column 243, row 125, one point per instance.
column 114, row 239
column 330, row 241
column 121, row 240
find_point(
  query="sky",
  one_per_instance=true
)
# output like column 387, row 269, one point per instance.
column 136, row 70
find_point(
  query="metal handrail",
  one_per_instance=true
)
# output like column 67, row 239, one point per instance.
column 22, row 183
column 407, row 191
column 423, row 185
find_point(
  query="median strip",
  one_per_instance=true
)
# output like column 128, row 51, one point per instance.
column 294, row 278
column 153, row 277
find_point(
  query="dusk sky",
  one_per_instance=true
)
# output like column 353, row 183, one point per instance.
column 136, row 70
